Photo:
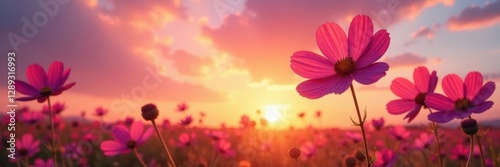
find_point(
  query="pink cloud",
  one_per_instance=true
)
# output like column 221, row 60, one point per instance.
column 188, row 64
column 405, row 59
column 425, row 31
column 476, row 17
column 266, row 33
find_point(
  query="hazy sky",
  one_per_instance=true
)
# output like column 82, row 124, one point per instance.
column 232, row 57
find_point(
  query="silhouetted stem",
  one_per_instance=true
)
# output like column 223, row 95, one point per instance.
column 436, row 137
column 296, row 160
column 361, row 125
column 53, row 145
column 470, row 151
column 163, row 143
column 480, row 150
column 140, row 159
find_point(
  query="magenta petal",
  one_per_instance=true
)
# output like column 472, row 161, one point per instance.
column 484, row 93
column 453, row 86
column 145, row 136
column 439, row 102
column 311, row 65
column 442, row 117
column 316, row 88
column 421, row 77
column 403, row 88
column 483, row 107
column 26, row 98
column 400, row 106
column 332, row 41
column 120, row 133
column 360, row 34
column 55, row 73
column 378, row 45
column 27, row 140
column 473, row 83
column 136, row 130
column 413, row 113
column 65, row 87
column 370, row 74
column 111, row 148
column 432, row 82
column 37, row 76
column 25, row 88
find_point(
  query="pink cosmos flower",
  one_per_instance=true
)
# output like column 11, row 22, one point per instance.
column 41, row 84
column 57, row 108
column 41, row 163
column 223, row 147
column 424, row 141
column 385, row 158
column 182, row 107
column 399, row 132
column 308, row 150
column 463, row 97
column 412, row 95
column 125, row 140
column 100, row 111
column 128, row 121
column 355, row 137
column 186, row 121
column 460, row 152
column 215, row 135
column 31, row 117
column 378, row 124
column 320, row 140
column 347, row 58
column 166, row 123
column 186, row 139
column 27, row 146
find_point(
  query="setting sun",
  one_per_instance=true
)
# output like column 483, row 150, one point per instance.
column 272, row 112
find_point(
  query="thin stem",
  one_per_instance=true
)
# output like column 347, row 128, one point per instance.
column 470, row 151
column 361, row 125
column 163, row 143
column 139, row 157
column 436, row 136
column 53, row 145
column 296, row 160
column 480, row 150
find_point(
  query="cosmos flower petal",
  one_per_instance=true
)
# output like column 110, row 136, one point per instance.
column 403, row 88
column 146, row 135
column 370, row 74
column 332, row 41
column 27, row 140
column 484, row 93
column 442, row 116
column 439, row 102
column 37, row 76
column 432, row 82
column 400, row 106
column 377, row 48
column 421, row 76
column 413, row 113
column 453, row 87
column 25, row 88
column 136, row 130
column 316, row 88
column 311, row 65
column 360, row 35
column 473, row 83
column 111, row 148
column 55, row 72
column 483, row 107
column 121, row 134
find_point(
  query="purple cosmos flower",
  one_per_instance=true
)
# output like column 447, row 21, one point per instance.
column 99, row 111
column 41, row 84
column 57, row 108
column 223, row 147
column 182, row 107
column 186, row 121
column 424, row 141
column 347, row 58
column 462, row 97
column 125, row 140
column 308, row 150
column 412, row 95
column 186, row 139
column 27, row 146
column 378, row 124
column 355, row 137
column 31, row 117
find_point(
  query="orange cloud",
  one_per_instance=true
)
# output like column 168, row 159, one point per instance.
column 405, row 60
column 474, row 17
column 425, row 31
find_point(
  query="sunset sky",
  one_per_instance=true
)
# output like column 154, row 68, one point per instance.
column 232, row 57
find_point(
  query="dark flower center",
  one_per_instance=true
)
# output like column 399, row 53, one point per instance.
column 23, row 152
column 420, row 99
column 345, row 66
column 131, row 144
column 462, row 104
column 46, row 92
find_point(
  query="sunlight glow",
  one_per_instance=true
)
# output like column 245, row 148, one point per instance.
column 272, row 112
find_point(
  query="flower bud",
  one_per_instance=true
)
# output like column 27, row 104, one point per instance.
column 469, row 126
column 294, row 152
column 149, row 112
column 359, row 155
column 350, row 161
